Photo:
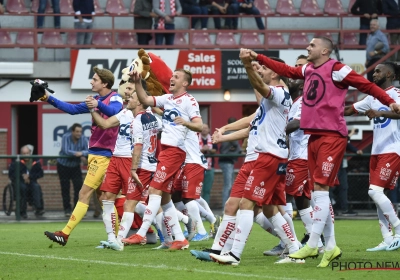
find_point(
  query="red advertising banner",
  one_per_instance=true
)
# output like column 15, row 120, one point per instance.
column 205, row 67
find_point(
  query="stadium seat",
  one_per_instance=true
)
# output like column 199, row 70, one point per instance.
column 264, row 7
column 226, row 39
column 116, row 7
column 298, row 39
column 274, row 39
column 102, row 38
column 127, row 39
column 179, row 39
column 24, row 38
column 350, row 38
column 52, row 38
column 286, row 8
column 16, row 7
column 97, row 8
column 310, row 8
column 201, row 39
column 334, row 8
column 351, row 3
column 5, row 38
column 35, row 7
column 66, row 7
column 132, row 8
column 327, row 35
column 71, row 38
column 250, row 39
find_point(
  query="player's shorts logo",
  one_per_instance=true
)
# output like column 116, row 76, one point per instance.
column 315, row 91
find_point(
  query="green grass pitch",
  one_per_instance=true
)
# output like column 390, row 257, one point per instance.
column 25, row 253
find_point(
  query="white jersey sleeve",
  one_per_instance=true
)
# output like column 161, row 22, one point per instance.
column 123, row 146
column 298, row 141
column 364, row 104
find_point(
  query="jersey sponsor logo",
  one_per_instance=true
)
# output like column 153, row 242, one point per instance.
column 288, row 232
column 315, row 91
column 287, row 100
column 131, row 185
column 289, row 178
column 385, row 173
column 259, row 192
column 148, row 212
column 381, row 122
column 160, row 176
column 198, row 190
column 225, row 235
column 249, row 182
column 281, row 169
column 149, row 125
column 327, row 168
column 170, row 114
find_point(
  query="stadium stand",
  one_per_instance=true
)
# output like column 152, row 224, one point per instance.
column 66, row 7
column 264, row 7
column 251, row 40
column 334, row 7
column 350, row 38
column 286, row 8
column 5, row 38
column 102, row 39
column 226, row 39
column 116, row 7
column 17, row 7
column 310, row 8
column 132, row 7
column 179, row 39
column 97, row 8
column 52, row 38
column 201, row 39
column 25, row 38
column 35, row 7
column 298, row 39
column 127, row 39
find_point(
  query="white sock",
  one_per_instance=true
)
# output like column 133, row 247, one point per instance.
column 329, row 230
column 283, row 230
column 172, row 218
column 159, row 220
column 321, row 212
column 229, row 242
column 312, row 200
column 205, row 214
column 386, row 228
column 242, row 232
column 181, row 217
column 383, row 202
column 180, row 206
column 288, row 208
column 109, row 219
column 306, row 216
column 265, row 223
column 225, row 229
column 194, row 214
column 289, row 220
column 139, row 209
column 205, row 205
column 125, row 224
column 150, row 213
column 166, row 229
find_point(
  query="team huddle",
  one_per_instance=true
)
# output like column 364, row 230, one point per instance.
column 296, row 143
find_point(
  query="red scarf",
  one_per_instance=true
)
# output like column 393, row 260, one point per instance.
column 161, row 21
column 210, row 146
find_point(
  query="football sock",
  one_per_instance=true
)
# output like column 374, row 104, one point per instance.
column 289, row 220
column 329, row 231
column 283, row 230
column 321, row 212
column 76, row 216
column 242, row 232
column 386, row 228
column 205, row 214
column 225, row 229
column 306, row 216
column 140, row 208
column 109, row 219
column 194, row 214
column 150, row 213
column 265, row 223
column 172, row 218
column 181, row 217
column 125, row 225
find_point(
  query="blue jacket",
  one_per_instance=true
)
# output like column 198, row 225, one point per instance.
column 391, row 7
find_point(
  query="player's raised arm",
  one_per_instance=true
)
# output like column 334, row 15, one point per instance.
column 141, row 93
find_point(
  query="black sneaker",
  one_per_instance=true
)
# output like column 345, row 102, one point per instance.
column 39, row 212
column 58, row 237
column 349, row 213
column 305, row 239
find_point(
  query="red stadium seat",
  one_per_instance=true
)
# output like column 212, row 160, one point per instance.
column 299, row 39
column 132, row 8
column 310, row 8
column 179, row 39
column 102, row 38
column 52, row 38
column 16, row 7
column 35, row 7
column 351, row 3
column 127, row 39
column 66, row 7
column 334, row 8
column 24, row 38
column 97, row 8
column 264, row 7
column 116, row 7
column 274, row 39
column 286, row 8
column 250, row 39
column 71, row 38
column 226, row 39
column 5, row 38
column 350, row 38
column 201, row 39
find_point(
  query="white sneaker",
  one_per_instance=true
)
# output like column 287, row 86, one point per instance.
column 116, row 245
column 287, row 259
column 285, row 253
column 381, row 247
column 395, row 244
column 163, row 246
column 276, row 251
column 225, row 258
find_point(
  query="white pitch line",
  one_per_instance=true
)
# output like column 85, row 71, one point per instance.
column 146, row 266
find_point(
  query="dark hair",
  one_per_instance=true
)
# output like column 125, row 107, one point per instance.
column 75, row 125
column 143, row 82
column 188, row 75
column 394, row 68
column 328, row 43
column 105, row 75
column 302, row 56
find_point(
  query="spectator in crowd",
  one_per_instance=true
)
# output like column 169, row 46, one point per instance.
column 367, row 9
column 392, row 9
column 69, row 169
column 227, row 163
column 1, row 7
column 219, row 7
column 244, row 6
column 166, row 11
column 144, row 15
column 207, row 148
column 196, row 8
column 29, row 171
column 56, row 9
column 377, row 46
column 343, row 187
column 84, row 9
